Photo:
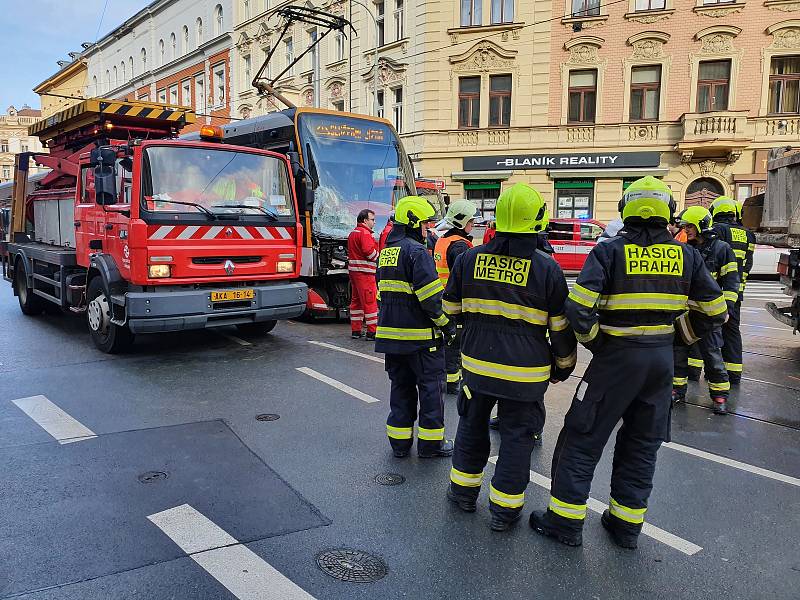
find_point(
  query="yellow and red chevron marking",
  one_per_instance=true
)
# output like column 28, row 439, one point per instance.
column 218, row 232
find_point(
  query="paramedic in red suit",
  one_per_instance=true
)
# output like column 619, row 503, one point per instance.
column 362, row 252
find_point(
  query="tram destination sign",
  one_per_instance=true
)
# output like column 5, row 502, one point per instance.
column 595, row 160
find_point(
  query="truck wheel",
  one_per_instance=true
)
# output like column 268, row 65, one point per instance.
column 29, row 303
column 256, row 329
column 107, row 336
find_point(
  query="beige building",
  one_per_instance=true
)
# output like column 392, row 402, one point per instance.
column 14, row 139
column 577, row 98
column 64, row 89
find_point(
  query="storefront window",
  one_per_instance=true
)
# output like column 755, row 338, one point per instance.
column 484, row 194
column 574, row 199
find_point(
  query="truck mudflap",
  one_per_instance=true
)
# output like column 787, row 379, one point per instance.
column 179, row 309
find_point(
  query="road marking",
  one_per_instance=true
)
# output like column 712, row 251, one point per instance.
column 347, row 351
column 233, row 338
column 786, row 329
column 734, row 463
column 665, row 537
column 53, row 420
column 245, row 574
column 338, row 385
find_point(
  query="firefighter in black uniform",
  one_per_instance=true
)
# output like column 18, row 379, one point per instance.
column 721, row 262
column 630, row 297
column 724, row 211
column 509, row 295
column 412, row 331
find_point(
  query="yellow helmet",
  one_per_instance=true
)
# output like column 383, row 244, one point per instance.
column 647, row 198
column 723, row 204
column 413, row 211
column 697, row 216
column 520, row 209
column 460, row 212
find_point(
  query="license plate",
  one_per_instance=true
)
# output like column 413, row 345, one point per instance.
column 233, row 295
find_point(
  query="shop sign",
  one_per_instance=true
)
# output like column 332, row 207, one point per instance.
column 594, row 160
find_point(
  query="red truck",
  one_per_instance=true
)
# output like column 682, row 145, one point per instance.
column 141, row 232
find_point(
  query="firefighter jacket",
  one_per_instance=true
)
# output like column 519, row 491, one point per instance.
column 638, row 287
column 721, row 262
column 449, row 247
column 411, row 296
column 743, row 242
column 362, row 251
column 510, row 294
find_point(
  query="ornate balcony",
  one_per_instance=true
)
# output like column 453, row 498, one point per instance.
column 713, row 135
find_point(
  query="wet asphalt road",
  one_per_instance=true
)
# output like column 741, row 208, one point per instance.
column 169, row 432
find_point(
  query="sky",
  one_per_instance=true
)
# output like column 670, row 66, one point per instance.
column 38, row 33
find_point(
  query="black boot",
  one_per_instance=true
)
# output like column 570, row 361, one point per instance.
column 444, row 450
column 494, row 423
column 499, row 523
column 400, row 453
column 355, row 335
column 719, row 406
column 370, row 336
column 464, row 503
column 624, row 536
column 541, row 522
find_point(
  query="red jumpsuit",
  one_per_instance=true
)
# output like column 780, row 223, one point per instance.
column 362, row 255
column 385, row 234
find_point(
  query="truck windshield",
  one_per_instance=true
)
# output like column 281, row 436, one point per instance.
column 222, row 181
column 358, row 164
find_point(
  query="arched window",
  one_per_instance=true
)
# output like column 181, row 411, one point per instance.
column 703, row 191
column 108, row 80
column 116, row 81
column 144, row 60
column 199, row 31
column 173, row 46
column 218, row 20
column 185, row 33
column 160, row 52
column 130, row 64
column 94, row 91
column 122, row 72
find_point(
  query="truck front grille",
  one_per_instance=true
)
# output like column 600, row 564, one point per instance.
column 218, row 260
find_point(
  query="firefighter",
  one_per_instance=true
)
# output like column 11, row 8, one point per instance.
column 628, row 301
column 457, row 240
column 362, row 252
column 412, row 330
column 724, row 211
column 721, row 262
column 510, row 294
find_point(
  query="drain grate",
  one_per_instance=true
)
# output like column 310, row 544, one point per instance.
column 152, row 476
column 267, row 417
column 389, row 479
column 351, row 565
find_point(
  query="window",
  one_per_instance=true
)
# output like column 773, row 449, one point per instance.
column 108, row 80
column 590, row 231
column 574, row 199
column 219, row 22
column 186, row 92
column 3, row 145
column 160, row 52
column 288, row 47
column 582, row 96
column 381, row 103
column 469, row 102
column 198, row 29
column 6, row 172
column 643, row 5
column 502, row 11
column 122, row 70
column 645, row 93
column 219, row 85
column 499, row 100
column 200, row 93
column 24, row 147
column 338, row 105
column 784, row 85
column 585, row 8
column 95, row 91
column 116, row 77
column 143, row 54
column 161, row 96
column 173, row 94
column 130, row 64
column 173, row 47
column 743, row 191
column 710, row 2
column 312, row 43
column 379, row 12
column 185, row 33
column 339, row 44
column 397, row 109
column 247, row 69
column 399, row 19
column 713, row 81
column 471, row 12
column 484, row 194
column 246, row 9
column 145, row 97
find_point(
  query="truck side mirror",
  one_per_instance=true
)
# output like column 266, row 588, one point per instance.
column 105, row 175
column 308, row 184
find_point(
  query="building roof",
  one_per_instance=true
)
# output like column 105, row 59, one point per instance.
column 27, row 111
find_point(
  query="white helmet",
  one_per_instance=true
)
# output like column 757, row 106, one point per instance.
column 460, row 212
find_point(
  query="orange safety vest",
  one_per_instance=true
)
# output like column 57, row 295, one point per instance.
column 440, row 254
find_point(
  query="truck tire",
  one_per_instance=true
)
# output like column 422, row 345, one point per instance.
column 256, row 329
column 108, row 337
column 29, row 303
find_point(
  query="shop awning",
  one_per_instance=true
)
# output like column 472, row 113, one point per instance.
column 606, row 173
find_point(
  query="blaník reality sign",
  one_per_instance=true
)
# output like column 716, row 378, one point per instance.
column 594, row 160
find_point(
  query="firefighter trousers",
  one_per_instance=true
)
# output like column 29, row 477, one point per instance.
column 695, row 362
column 519, row 422
column 452, row 358
column 625, row 380
column 363, row 302
column 709, row 349
column 416, row 381
column 732, row 343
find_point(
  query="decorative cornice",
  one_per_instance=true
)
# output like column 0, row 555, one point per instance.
column 719, row 10
column 729, row 30
column 484, row 56
column 782, row 5
column 788, row 24
column 649, row 35
column 584, row 39
column 650, row 16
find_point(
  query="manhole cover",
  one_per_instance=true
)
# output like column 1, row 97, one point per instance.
column 151, row 476
column 267, row 417
column 351, row 565
column 389, row 479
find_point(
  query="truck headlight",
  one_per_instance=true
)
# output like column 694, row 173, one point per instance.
column 159, row 271
column 285, row 266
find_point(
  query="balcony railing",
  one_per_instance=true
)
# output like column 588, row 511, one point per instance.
column 727, row 125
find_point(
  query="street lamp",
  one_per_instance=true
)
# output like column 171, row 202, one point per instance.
column 375, row 71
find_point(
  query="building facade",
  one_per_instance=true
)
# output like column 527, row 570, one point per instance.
column 14, row 139
column 67, row 87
